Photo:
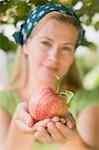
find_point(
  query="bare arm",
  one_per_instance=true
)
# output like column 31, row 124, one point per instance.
column 4, row 124
column 75, row 144
column 13, row 134
column 88, row 126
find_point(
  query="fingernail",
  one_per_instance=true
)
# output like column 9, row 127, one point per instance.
column 50, row 125
column 69, row 124
column 29, row 123
column 63, row 120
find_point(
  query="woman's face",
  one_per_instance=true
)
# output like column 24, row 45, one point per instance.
column 51, row 51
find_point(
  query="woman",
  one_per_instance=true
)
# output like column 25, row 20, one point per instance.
column 47, row 41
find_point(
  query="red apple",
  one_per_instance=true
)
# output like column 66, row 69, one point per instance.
column 46, row 103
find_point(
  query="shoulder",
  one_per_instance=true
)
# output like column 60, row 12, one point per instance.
column 84, row 99
column 88, row 125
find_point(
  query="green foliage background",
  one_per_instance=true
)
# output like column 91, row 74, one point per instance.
column 14, row 11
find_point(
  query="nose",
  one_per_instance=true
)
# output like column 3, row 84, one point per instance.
column 53, row 54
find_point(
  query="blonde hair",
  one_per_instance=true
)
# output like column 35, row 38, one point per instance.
column 20, row 70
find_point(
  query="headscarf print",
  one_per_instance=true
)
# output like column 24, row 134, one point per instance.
column 36, row 14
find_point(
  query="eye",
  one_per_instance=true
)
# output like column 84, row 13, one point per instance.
column 66, row 48
column 45, row 43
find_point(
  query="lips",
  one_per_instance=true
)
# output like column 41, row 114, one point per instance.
column 50, row 68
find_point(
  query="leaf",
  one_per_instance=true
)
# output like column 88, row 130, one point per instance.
column 17, row 10
column 69, row 95
column 9, row 46
column 89, row 44
column 97, row 25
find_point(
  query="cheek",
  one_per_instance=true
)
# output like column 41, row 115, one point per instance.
column 36, row 51
column 67, row 61
column 37, row 57
column 65, row 64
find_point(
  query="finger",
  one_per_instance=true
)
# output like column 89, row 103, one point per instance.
column 63, row 120
column 22, row 106
column 65, row 131
column 30, row 121
column 62, row 128
column 42, row 123
column 55, row 119
column 23, row 127
column 55, row 133
column 70, row 122
column 25, row 118
column 43, row 136
column 22, row 115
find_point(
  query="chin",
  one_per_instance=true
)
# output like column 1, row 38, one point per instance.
column 47, row 80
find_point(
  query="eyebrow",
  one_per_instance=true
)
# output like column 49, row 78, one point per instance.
column 53, row 41
column 46, row 38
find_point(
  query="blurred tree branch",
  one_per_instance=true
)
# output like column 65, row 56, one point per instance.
column 13, row 11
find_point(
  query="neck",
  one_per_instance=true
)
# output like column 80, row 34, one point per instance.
column 26, row 91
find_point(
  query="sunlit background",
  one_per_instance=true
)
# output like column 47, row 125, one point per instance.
column 11, row 16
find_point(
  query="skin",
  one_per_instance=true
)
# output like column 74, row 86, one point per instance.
column 87, row 125
column 90, row 132
column 50, row 47
column 46, row 52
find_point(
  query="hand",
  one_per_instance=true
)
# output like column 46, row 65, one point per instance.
column 56, row 130
column 23, row 119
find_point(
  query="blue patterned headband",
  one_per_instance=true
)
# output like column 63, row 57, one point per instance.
column 36, row 14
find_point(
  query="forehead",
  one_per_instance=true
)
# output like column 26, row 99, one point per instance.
column 57, row 31
column 54, row 23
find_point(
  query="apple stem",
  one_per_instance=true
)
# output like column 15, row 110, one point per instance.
column 57, row 84
column 69, row 94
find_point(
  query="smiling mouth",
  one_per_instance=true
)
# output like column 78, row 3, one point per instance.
column 51, row 68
